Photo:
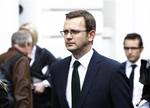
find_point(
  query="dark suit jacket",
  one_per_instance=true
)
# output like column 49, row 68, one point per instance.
column 104, row 85
column 123, row 67
column 42, row 58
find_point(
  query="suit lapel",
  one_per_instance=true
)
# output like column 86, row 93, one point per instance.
column 91, row 72
column 64, row 68
column 123, row 67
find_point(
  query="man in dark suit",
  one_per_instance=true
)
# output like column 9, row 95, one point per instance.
column 133, row 47
column 41, row 61
column 101, row 83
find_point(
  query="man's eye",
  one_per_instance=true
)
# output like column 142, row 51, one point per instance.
column 74, row 31
column 66, row 32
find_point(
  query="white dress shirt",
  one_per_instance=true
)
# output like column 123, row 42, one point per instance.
column 138, row 87
column 82, row 69
column 144, row 104
column 33, row 55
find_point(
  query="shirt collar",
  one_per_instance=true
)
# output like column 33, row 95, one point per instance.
column 84, row 60
column 33, row 52
column 130, row 63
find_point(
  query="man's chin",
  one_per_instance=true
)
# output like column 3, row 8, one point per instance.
column 133, row 61
column 71, row 48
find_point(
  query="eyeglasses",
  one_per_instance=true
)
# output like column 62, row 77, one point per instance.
column 72, row 32
column 132, row 48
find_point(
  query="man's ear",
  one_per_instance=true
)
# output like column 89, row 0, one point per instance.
column 91, row 35
column 18, row 47
column 142, row 49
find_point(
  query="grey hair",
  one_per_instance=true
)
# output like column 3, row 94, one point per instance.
column 21, row 38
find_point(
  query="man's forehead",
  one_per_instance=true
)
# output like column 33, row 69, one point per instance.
column 78, row 21
column 132, row 42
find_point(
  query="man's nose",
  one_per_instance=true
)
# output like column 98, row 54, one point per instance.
column 69, row 35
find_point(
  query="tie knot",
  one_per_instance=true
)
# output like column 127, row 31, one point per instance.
column 133, row 66
column 76, row 64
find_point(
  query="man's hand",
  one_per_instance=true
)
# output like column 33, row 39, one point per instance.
column 39, row 87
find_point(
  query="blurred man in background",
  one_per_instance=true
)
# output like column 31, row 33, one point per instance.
column 133, row 47
column 20, row 71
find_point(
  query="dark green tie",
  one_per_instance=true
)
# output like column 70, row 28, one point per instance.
column 75, row 86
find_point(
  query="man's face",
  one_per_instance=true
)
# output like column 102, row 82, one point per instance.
column 132, row 49
column 25, row 49
column 75, row 35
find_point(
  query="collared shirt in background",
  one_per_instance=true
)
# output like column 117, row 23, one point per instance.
column 138, row 87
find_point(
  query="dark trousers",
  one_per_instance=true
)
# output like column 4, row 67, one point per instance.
column 146, row 92
column 42, row 100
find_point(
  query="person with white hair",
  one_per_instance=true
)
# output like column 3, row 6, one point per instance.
column 20, row 78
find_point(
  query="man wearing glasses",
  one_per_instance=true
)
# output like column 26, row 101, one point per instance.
column 86, row 79
column 133, row 47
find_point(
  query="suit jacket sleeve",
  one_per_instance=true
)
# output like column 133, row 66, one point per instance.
column 120, row 91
